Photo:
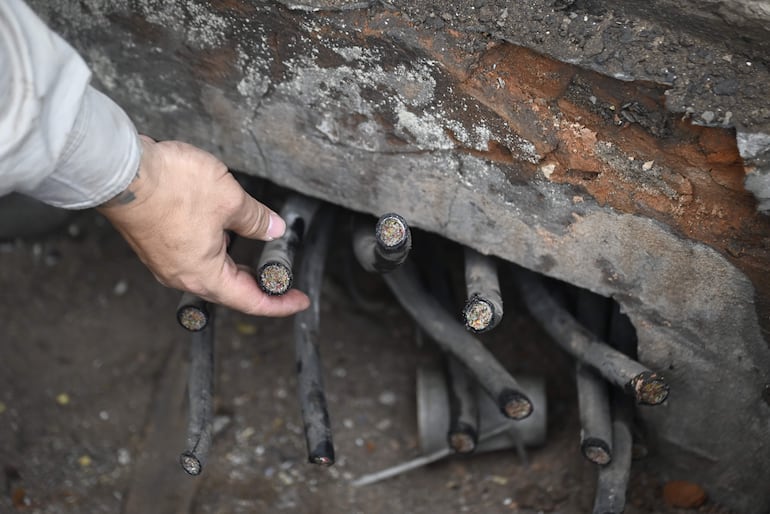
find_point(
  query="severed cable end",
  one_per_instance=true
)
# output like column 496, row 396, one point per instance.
column 391, row 232
column 596, row 451
column 649, row 388
column 274, row 278
column 514, row 404
column 479, row 314
column 192, row 318
column 190, row 463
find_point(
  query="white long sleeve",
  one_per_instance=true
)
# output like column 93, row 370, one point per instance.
column 61, row 141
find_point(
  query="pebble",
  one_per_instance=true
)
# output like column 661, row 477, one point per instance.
column 244, row 435
column 246, row 329
column 104, row 415
column 387, row 398
column 84, row 461
column 647, row 166
column 124, row 457
column 220, row 423
column 683, row 494
column 120, row 288
column 708, row 116
column 2, row 407
column 73, row 229
column 63, row 399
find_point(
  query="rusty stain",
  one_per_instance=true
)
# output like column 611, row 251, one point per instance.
column 215, row 66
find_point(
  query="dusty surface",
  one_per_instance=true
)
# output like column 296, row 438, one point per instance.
column 92, row 402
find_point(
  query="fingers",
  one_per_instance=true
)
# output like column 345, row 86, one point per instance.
column 253, row 220
column 237, row 289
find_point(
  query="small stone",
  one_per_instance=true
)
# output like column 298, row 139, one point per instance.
column 246, row 329
column 683, row 494
column 120, row 288
column 708, row 116
column 497, row 479
column 647, row 166
column 104, row 415
column 244, row 435
column 124, row 457
column 285, row 478
column 63, row 399
column 348, row 423
column 73, row 229
column 387, row 398
column 220, row 423
column 2, row 407
column 84, row 461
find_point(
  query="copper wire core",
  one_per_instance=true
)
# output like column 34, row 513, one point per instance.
column 478, row 314
column 462, row 442
column 596, row 454
column 191, row 464
column 192, row 318
column 518, row 408
column 650, row 388
column 391, row 232
column 275, row 279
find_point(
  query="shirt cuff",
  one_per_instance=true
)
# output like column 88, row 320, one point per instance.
column 100, row 159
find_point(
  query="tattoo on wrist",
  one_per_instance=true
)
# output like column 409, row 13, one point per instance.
column 124, row 197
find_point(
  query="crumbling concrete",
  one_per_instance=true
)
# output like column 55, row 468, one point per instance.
column 620, row 172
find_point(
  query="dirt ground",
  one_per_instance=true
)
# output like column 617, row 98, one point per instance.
column 92, row 401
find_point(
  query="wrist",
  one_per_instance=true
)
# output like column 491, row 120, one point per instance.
column 130, row 194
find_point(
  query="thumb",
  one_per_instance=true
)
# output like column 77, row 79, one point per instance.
column 255, row 221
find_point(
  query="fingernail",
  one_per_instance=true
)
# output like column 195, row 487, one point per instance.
column 276, row 227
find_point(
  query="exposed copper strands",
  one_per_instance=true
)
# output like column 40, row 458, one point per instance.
column 484, row 306
column 386, row 248
column 192, row 312
column 274, row 268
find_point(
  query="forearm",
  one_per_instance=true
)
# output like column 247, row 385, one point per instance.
column 61, row 141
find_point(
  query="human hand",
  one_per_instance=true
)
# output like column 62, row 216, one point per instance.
column 175, row 214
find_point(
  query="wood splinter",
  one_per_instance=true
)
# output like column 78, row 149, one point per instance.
column 274, row 268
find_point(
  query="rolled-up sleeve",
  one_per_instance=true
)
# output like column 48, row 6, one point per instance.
column 61, row 141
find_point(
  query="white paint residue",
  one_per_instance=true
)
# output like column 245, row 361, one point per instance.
column 202, row 27
column 426, row 130
column 103, row 67
column 356, row 53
